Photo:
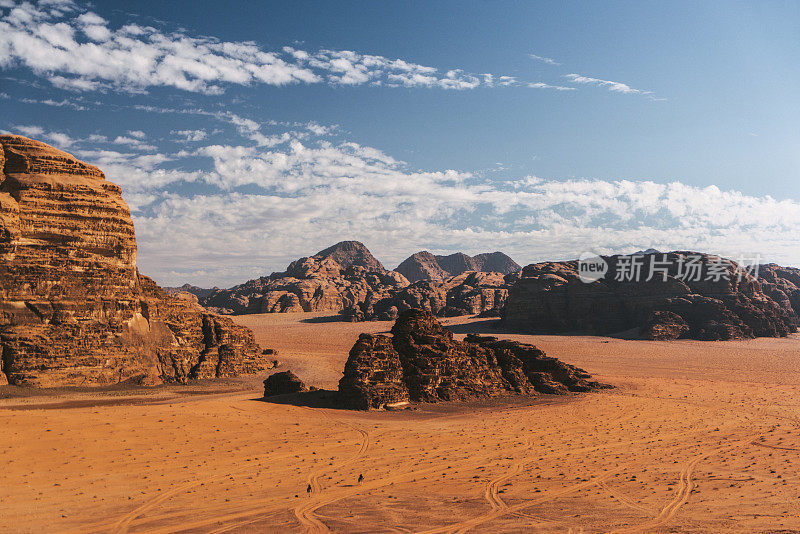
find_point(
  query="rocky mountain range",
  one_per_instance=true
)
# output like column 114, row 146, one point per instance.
column 723, row 301
column 426, row 266
column 74, row 309
column 346, row 278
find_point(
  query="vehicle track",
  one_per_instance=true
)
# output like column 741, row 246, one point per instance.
column 685, row 487
column 305, row 513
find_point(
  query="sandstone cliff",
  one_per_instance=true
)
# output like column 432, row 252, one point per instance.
column 426, row 266
column 73, row 308
column 731, row 304
column 422, row 362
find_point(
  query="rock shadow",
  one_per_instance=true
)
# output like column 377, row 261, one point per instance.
column 320, row 398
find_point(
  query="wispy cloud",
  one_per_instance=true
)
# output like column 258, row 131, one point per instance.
column 541, row 85
column 617, row 87
column 549, row 61
column 78, row 50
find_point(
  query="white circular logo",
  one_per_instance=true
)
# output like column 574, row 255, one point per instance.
column 591, row 267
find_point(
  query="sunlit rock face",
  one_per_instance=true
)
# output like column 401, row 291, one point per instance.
column 426, row 266
column 73, row 307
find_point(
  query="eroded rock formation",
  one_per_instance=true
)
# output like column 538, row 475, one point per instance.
column 465, row 294
column 426, row 266
column 718, row 300
column 334, row 279
column 422, row 362
column 73, row 308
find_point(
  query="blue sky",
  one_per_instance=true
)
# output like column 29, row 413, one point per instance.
column 249, row 134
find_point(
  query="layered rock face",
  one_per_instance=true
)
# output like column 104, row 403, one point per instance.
column 73, row 308
column 466, row 294
column 716, row 300
column 426, row 266
column 422, row 362
column 334, row 279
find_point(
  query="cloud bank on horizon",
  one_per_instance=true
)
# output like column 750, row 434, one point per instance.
column 220, row 196
column 275, row 195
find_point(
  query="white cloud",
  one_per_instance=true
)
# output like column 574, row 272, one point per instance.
column 549, row 61
column 617, row 87
column 133, row 142
column 191, row 135
column 57, row 139
column 541, row 85
column 78, row 50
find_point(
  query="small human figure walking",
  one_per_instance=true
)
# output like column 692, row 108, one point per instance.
column 308, row 489
column 360, row 478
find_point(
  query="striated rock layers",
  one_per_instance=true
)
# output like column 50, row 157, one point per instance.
column 465, row 294
column 334, row 279
column 422, row 362
column 426, row 266
column 690, row 295
column 73, row 308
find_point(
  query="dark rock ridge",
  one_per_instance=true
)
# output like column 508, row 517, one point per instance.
column 336, row 278
column 73, row 308
column 782, row 284
column 422, row 362
column 468, row 293
column 731, row 304
column 426, row 266
column 199, row 292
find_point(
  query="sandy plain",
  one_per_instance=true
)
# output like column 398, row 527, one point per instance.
column 696, row 437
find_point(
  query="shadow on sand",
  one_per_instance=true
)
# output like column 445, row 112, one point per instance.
column 320, row 398
column 324, row 319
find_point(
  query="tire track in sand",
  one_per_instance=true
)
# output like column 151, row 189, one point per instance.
column 685, row 487
column 123, row 524
column 306, row 512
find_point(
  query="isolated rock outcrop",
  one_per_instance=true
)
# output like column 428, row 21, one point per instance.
column 426, row 266
column 283, row 383
column 723, row 302
column 73, row 308
column 423, row 362
column 334, row 279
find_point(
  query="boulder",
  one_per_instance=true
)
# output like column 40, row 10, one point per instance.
column 664, row 325
column 283, row 383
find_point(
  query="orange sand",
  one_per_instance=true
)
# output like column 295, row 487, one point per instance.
column 697, row 437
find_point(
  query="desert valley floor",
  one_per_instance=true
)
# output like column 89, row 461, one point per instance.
column 696, row 437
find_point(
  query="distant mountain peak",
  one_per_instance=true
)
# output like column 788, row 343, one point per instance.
column 349, row 253
column 426, row 266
